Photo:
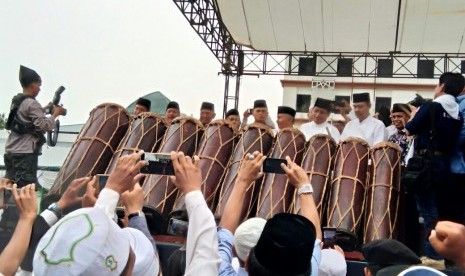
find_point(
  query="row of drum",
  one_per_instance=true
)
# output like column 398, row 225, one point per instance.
column 354, row 185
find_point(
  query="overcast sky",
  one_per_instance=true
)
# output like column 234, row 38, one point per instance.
column 114, row 51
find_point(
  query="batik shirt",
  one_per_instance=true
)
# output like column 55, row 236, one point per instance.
column 400, row 138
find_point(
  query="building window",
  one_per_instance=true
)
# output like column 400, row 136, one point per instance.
column 383, row 108
column 382, row 103
column 303, row 103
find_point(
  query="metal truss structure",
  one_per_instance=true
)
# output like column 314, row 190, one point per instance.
column 236, row 60
column 363, row 64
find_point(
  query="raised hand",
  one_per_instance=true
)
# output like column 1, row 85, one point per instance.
column 250, row 167
column 90, row 197
column 26, row 201
column 71, row 196
column 133, row 199
column 448, row 239
column 187, row 172
column 297, row 176
column 126, row 172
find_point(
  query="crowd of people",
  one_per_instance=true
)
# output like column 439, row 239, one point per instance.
column 88, row 241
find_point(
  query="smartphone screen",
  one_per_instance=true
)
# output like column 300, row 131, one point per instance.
column 273, row 165
column 102, row 180
column 158, row 163
column 329, row 237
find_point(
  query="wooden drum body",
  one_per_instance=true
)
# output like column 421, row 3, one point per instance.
column 276, row 193
column 317, row 163
column 145, row 133
column 182, row 135
column 347, row 195
column 95, row 145
column 215, row 150
column 255, row 138
column 383, row 193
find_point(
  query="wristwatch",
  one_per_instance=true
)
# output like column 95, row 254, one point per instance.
column 54, row 208
column 136, row 214
column 305, row 189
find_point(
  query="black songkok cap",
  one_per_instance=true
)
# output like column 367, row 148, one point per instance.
column 144, row 102
column 388, row 252
column 259, row 104
column 400, row 107
column 286, row 244
column 208, row 106
column 361, row 97
column 323, row 103
column 28, row 76
column 286, row 110
column 174, row 105
column 232, row 112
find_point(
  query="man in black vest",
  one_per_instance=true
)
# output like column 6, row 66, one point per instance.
column 27, row 124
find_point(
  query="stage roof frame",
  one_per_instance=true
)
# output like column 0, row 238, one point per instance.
column 256, row 37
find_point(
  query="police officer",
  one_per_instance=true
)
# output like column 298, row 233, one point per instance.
column 27, row 124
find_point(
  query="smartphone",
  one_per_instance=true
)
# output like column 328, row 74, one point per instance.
column 177, row 227
column 329, row 237
column 158, row 163
column 273, row 165
column 4, row 197
column 250, row 110
column 102, row 180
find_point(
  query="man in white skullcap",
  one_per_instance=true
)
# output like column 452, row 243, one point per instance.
column 365, row 126
column 89, row 242
column 333, row 262
column 320, row 113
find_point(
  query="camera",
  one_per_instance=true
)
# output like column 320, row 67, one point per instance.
column 273, row 165
column 177, row 227
column 158, row 163
column 418, row 101
column 56, row 100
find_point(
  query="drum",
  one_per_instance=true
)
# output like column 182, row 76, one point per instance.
column 383, row 193
column 347, row 194
column 145, row 133
column 256, row 137
column 184, row 135
column 214, row 152
column 317, row 162
column 276, row 193
column 95, row 145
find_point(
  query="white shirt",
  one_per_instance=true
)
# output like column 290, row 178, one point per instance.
column 371, row 130
column 202, row 257
column 391, row 130
column 311, row 129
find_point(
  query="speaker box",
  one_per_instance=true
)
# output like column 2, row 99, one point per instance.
column 462, row 67
column 425, row 68
column 240, row 63
column 344, row 67
column 307, row 66
column 385, row 68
